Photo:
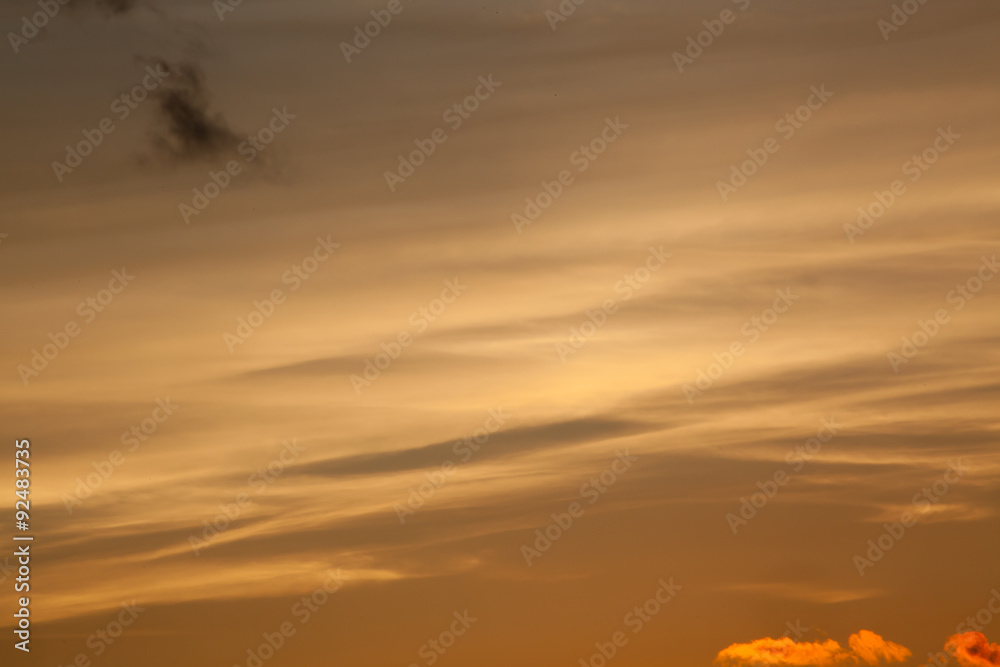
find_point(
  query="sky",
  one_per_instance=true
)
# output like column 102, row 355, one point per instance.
column 635, row 332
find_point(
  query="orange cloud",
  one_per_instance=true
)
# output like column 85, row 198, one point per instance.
column 866, row 648
column 871, row 649
column 784, row 651
column 971, row 649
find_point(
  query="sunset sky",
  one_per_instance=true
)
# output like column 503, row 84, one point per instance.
column 507, row 325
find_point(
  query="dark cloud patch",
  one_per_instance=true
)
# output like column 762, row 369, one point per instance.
column 109, row 7
column 504, row 443
column 189, row 130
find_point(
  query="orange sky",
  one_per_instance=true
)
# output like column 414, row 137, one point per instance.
column 622, row 336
